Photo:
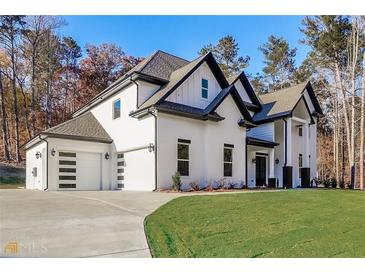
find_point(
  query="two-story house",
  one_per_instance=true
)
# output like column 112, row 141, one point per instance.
column 168, row 114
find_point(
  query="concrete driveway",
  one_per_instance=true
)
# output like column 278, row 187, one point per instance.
column 76, row 224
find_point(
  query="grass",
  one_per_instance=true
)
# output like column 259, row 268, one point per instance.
column 9, row 182
column 311, row 223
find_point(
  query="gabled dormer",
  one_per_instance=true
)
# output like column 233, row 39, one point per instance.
column 247, row 93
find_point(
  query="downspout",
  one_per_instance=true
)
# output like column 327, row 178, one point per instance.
column 153, row 113
column 134, row 82
column 45, row 140
column 246, row 170
column 286, row 139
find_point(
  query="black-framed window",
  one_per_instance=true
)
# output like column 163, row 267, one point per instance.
column 116, row 109
column 300, row 131
column 300, row 163
column 183, row 158
column 204, row 88
column 227, row 161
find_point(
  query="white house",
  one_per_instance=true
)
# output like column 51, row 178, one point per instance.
column 168, row 114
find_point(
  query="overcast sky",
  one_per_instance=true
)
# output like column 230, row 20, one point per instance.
column 185, row 35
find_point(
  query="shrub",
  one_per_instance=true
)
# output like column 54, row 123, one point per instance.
column 215, row 185
column 327, row 183
column 238, row 185
column 176, row 181
column 342, row 185
column 185, row 187
column 333, row 182
column 194, row 186
column 202, row 185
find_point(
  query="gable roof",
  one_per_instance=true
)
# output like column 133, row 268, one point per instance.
column 159, row 64
column 156, row 68
column 250, row 91
column 281, row 103
column 180, row 75
column 85, row 127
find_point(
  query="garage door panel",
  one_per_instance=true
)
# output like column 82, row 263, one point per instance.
column 79, row 171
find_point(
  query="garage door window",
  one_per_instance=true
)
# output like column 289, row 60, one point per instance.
column 67, row 169
column 120, row 170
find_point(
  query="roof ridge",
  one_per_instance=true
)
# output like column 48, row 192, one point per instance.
column 282, row 89
column 173, row 55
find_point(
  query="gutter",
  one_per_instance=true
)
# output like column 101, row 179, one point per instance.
column 40, row 137
column 153, row 113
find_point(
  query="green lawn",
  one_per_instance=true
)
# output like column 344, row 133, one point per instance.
column 310, row 223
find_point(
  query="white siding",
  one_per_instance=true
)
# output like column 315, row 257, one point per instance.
column 206, row 148
column 129, row 133
column 309, row 101
column 313, row 149
column 264, row 131
column 189, row 92
column 39, row 181
column 145, row 91
column 279, row 150
column 242, row 91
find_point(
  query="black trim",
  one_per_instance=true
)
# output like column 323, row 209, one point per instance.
column 209, row 58
column 184, row 141
column 229, row 145
column 250, row 92
column 261, row 154
column 313, row 97
column 306, row 106
column 261, row 143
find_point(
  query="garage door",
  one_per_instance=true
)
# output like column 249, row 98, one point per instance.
column 79, row 170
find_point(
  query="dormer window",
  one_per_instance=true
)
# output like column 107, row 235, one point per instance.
column 116, row 109
column 204, row 88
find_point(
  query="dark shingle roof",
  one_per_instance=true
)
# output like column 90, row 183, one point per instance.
column 160, row 64
column 279, row 103
column 175, row 77
column 84, row 127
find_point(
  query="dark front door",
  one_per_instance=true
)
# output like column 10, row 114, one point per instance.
column 260, row 171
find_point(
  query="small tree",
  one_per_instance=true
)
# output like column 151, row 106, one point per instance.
column 176, row 181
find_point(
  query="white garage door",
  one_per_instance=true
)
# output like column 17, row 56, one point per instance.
column 79, row 171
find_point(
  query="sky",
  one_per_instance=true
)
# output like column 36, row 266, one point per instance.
column 185, row 35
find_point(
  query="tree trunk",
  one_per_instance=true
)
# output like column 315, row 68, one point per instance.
column 3, row 121
column 362, row 126
column 15, row 101
column 345, row 112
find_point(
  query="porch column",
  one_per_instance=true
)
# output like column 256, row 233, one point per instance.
column 288, row 166
column 272, row 179
column 305, row 170
column 306, row 145
column 272, row 164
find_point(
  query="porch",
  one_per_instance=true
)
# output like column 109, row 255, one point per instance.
column 260, row 163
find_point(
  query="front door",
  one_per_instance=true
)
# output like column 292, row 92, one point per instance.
column 260, row 171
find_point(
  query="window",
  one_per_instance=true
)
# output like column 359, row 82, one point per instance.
column 227, row 160
column 116, row 109
column 67, row 169
column 183, row 157
column 300, row 131
column 120, row 170
column 300, row 162
column 204, row 88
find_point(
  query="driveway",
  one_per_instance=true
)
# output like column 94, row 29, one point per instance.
column 76, row 224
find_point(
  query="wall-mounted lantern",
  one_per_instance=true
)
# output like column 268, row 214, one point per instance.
column 277, row 161
column 53, row 152
column 151, row 147
column 38, row 155
column 254, row 160
column 107, row 155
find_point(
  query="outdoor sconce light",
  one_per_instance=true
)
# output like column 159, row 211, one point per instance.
column 254, row 160
column 151, row 147
column 107, row 155
column 277, row 161
column 38, row 155
column 53, row 152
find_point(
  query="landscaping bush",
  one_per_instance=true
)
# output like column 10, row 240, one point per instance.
column 215, row 185
column 327, row 183
column 176, row 181
column 202, row 185
column 333, row 182
column 342, row 185
column 185, row 187
column 238, row 185
column 194, row 186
